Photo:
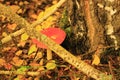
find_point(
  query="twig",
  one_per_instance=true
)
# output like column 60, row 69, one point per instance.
column 111, row 71
column 8, row 38
column 22, row 73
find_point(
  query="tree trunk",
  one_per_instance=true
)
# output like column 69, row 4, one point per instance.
column 94, row 25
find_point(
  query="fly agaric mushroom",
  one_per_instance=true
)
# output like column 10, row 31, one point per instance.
column 56, row 34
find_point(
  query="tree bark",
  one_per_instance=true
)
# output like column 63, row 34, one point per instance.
column 93, row 25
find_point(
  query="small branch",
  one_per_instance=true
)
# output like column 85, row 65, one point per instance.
column 22, row 73
column 15, row 34
column 111, row 71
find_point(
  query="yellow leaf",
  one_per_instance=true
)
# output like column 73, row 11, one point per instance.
column 41, row 68
column 41, row 62
column 38, row 28
column 4, row 34
column 32, row 49
column 96, row 60
column 51, row 65
column 24, row 37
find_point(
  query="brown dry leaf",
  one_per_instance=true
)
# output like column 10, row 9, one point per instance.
column 34, row 16
column 54, row 2
column 2, row 17
column 12, row 26
column 36, row 78
column 20, row 11
column 34, row 64
column 14, row 8
column 18, row 53
column 14, row 49
column 21, row 3
column 8, row 66
column 22, row 43
column 2, row 62
column 26, row 2
column 6, row 49
column 17, row 62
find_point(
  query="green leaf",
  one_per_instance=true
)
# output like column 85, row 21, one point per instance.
column 23, row 69
column 51, row 65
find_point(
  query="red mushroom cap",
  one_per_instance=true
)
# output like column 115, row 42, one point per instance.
column 55, row 34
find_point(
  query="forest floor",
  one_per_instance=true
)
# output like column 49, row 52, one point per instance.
column 22, row 55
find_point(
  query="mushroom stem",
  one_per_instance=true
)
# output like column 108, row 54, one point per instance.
column 49, row 54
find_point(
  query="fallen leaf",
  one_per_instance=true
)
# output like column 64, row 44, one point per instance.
column 21, row 43
column 96, row 60
column 18, row 53
column 6, row 49
column 19, row 11
column 12, row 26
column 51, row 65
column 34, row 65
column 23, row 69
column 24, row 37
column 17, row 61
column 34, row 16
column 39, row 55
column 41, row 68
column 41, row 62
column 2, row 18
column 4, row 34
column 2, row 62
column 8, row 66
column 32, row 49
column 54, row 2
